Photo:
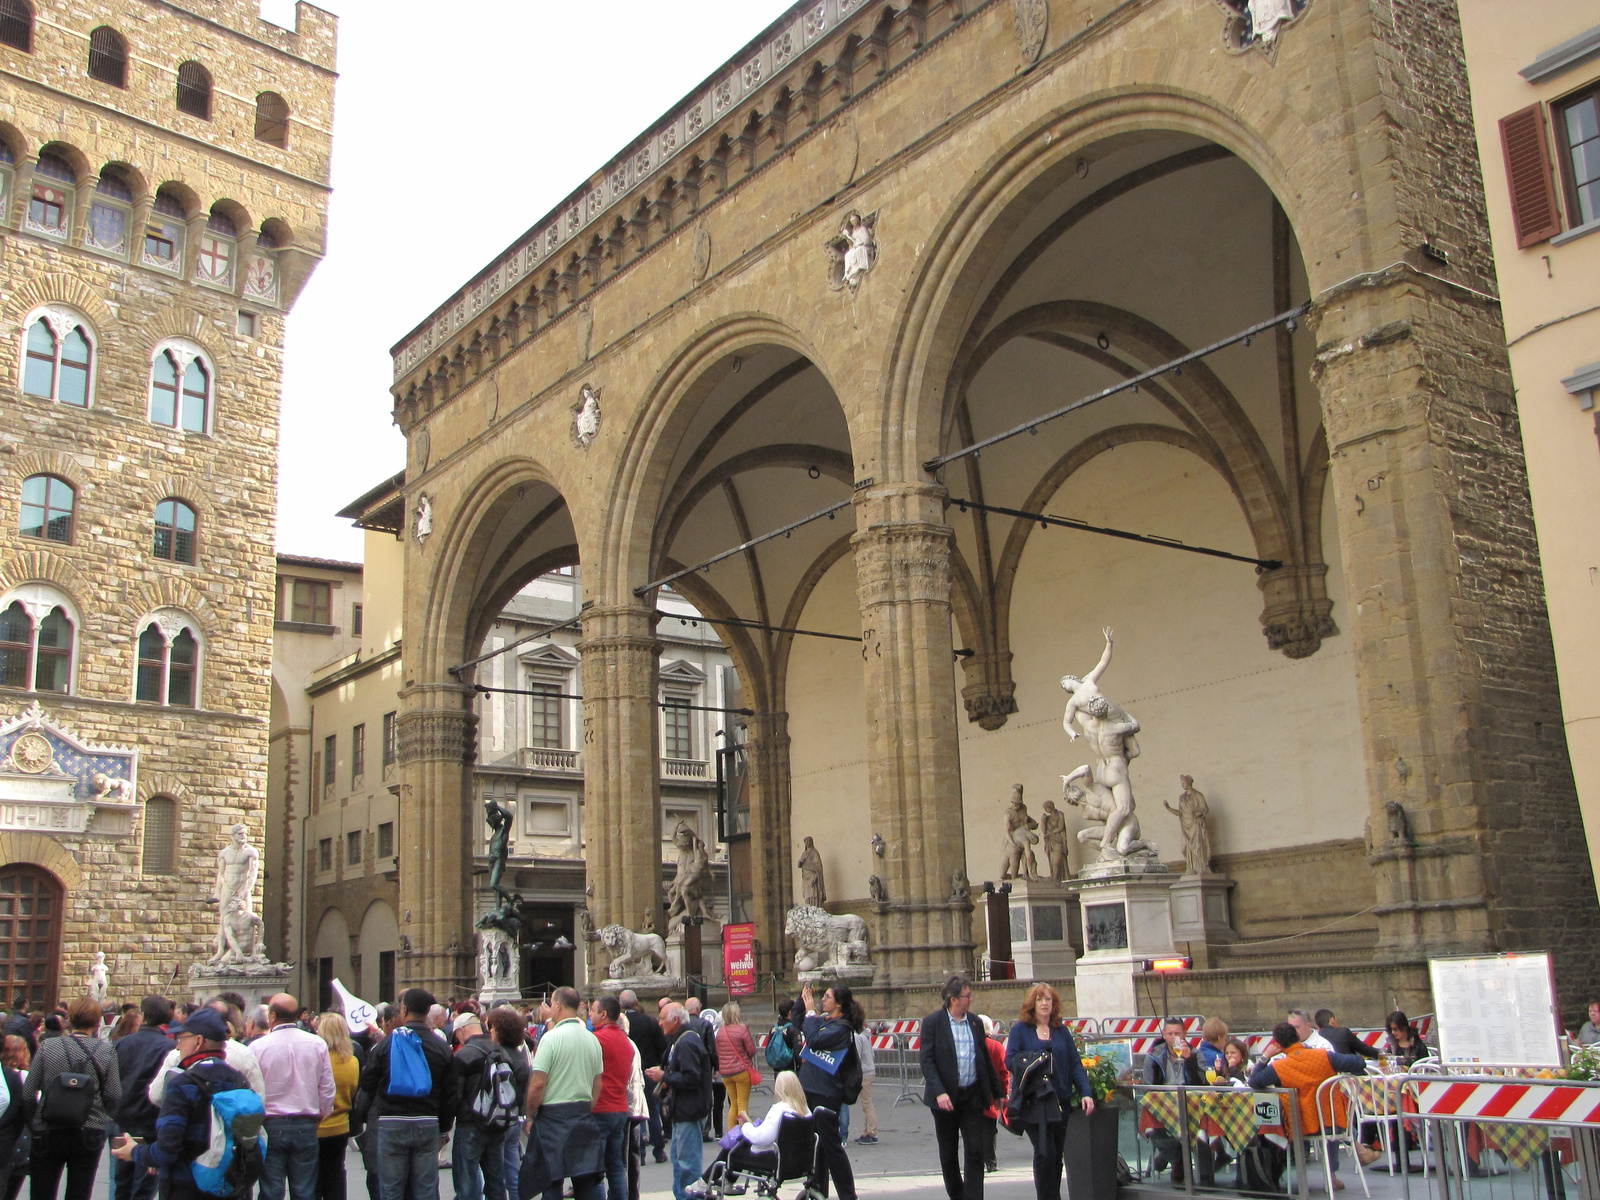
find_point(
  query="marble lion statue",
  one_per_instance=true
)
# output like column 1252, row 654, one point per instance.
column 826, row 940
column 633, row 953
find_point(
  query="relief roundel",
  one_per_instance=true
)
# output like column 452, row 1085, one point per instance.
column 32, row 753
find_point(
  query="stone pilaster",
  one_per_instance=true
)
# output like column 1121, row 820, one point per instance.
column 771, row 847
column 922, row 932
column 1474, row 832
column 436, row 744
column 621, row 764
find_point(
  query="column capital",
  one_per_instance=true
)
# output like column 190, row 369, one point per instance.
column 436, row 735
column 903, row 562
column 612, row 627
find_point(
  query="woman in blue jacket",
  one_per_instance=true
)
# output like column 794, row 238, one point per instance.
column 1045, row 1073
column 830, row 1031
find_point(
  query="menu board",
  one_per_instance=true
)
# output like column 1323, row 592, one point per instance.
column 1499, row 1011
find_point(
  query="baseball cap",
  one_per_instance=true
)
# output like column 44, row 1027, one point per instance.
column 206, row 1022
column 463, row 1020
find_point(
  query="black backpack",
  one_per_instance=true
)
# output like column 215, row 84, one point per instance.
column 68, row 1098
column 850, row 1074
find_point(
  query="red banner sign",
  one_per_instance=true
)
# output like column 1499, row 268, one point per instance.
column 739, row 959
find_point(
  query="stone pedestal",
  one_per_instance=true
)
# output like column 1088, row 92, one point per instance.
column 497, row 968
column 695, row 952
column 1200, row 911
column 1126, row 919
column 1040, row 942
column 256, row 981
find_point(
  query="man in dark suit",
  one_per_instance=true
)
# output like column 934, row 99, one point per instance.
column 1343, row 1040
column 645, row 1033
column 960, row 1083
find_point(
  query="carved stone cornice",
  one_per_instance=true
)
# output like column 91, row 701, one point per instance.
column 437, row 735
column 991, row 696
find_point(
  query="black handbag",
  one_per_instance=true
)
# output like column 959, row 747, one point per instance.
column 68, row 1098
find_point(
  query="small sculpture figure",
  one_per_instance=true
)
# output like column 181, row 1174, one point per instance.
column 879, row 846
column 685, row 894
column 111, row 791
column 499, row 821
column 507, row 918
column 875, row 889
column 827, row 942
column 1020, row 862
column 647, row 923
column 853, row 251
column 1266, row 16
column 1053, row 830
column 422, row 520
column 960, row 888
column 1399, row 828
column 1192, row 812
column 586, row 421
column 99, row 977
column 813, row 890
column 505, row 960
column 633, row 955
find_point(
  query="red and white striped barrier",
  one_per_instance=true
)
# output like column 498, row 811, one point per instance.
column 1424, row 1026
column 1371, row 1037
column 883, row 1041
column 1129, row 1026
column 1082, row 1025
column 1535, row 1100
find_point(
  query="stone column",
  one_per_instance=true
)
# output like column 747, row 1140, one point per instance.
column 771, row 847
column 1474, row 827
column 902, row 554
column 621, row 764
column 436, row 746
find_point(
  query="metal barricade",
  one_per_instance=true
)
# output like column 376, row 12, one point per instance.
column 1235, row 1115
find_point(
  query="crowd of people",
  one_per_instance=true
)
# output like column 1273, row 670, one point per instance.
column 569, row 1097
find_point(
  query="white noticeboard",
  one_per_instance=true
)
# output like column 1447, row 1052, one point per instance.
column 1499, row 1010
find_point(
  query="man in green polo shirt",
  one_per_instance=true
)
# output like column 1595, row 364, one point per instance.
column 562, row 1093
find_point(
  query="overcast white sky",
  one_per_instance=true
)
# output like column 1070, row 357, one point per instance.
column 509, row 102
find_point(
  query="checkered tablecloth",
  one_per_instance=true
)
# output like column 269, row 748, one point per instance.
column 1521, row 1144
column 1228, row 1113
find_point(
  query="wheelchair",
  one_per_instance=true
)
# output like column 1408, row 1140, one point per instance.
column 762, row 1172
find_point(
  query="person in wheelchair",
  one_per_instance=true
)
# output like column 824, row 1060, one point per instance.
column 782, row 1147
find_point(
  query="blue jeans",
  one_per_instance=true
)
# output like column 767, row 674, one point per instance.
column 616, row 1129
column 685, row 1154
column 408, row 1158
column 292, row 1155
column 511, row 1157
column 477, row 1162
column 844, row 1123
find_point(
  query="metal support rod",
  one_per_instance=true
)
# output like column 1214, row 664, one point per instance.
column 743, row 546
column 1149, row 539
column 1244, row 335
column 479, row 687
column 538, row 633
column 741, row 623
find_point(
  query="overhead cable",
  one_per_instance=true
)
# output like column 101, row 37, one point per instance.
column 742, row 547
column 538, row 633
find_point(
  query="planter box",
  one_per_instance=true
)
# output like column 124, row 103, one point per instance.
column 1092, row 1155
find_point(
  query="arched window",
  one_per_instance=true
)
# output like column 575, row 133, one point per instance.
column 16, row 24
column 272, row 119
column 168, row 670
column 163, row 236
column 218, row 247
column 47, row 508
column 108, row 56
column 54, row 185
column 180, row 387
column 58, row 357
column 110, row 213
column 37, row 627
column 175, row 531
column 194, row 90
column 160, row 854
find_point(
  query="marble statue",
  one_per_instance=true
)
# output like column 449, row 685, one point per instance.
column 238, row 863
column 499, row 822
column 875, row 889
column 960, row 886
column 1266, row 16
column 1192, row 812
column 112, row 791
column 686, row 892
column 634, row 955
column 814, row 891
column 586, row 418
column 1020, row 862
column 830, row 947
column 422, row 519
column 1108, row 795
column 239, row 938
column 1053, row 830
column 853, row 251
column 99, row 978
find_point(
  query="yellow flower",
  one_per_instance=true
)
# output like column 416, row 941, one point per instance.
column 1091, row 1062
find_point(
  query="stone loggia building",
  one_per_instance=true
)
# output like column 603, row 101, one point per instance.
column 883, row 233
column 163, row 199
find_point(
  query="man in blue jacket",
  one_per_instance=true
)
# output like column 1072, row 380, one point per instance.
column 411, row 1129
column 183, row 1130
column 139, row 1057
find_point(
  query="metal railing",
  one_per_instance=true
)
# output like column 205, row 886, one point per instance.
column 1272, row 1114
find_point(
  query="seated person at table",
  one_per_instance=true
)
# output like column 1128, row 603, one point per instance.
column 1213, row 1035
column 757, row 1145
column 1589, row 1032
column 1235, row 1063
column 1287, row 1062
column 1341, row 1039
column 1306, row 1031
column 1171, row 1063
column 1404, row 1044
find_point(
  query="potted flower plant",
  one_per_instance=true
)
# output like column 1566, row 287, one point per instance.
column 1091, row 1149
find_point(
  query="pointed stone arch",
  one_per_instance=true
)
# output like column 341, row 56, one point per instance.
column 50, row 287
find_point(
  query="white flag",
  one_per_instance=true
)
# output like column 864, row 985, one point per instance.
column 358, row 1014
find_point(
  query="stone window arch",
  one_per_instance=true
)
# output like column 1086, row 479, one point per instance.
column 170, row 650
column 194, row 90
column 165, row 232
column 58, row 355
column 48, row 508
column 16, row 24
column 38, row 639
column 176, row 531
column 108, row 56
column 159, row 851
column 111, row 213
column 182, row 386
column 55, row 188
column 272, row 119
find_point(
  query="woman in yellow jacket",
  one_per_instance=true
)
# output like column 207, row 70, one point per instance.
column 333, row 1135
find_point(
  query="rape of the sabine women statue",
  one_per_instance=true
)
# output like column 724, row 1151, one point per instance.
column 1106, row 795
column 1020, row 862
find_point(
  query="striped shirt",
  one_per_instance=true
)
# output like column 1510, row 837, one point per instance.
column 966, row 1064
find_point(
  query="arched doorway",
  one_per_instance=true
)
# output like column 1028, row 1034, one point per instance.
column 30, row 934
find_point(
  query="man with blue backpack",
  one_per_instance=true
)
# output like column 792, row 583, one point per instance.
column 208, row 1132
column 410, row 1092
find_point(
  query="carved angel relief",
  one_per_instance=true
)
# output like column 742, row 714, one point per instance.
column 853, row 251
column 1256, row 24
column 586, row 417
column 422, row 519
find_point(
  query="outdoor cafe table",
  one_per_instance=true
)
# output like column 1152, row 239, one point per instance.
column 1225, row 1112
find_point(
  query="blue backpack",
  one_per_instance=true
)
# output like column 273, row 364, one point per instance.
column 408, row 1065
column 231, row 1164
column 780, row 1054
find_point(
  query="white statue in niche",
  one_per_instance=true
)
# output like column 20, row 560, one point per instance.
column 853, row 251
column 99, row 978
column 1267, row 15
column 586, row 416
column 422, row 520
